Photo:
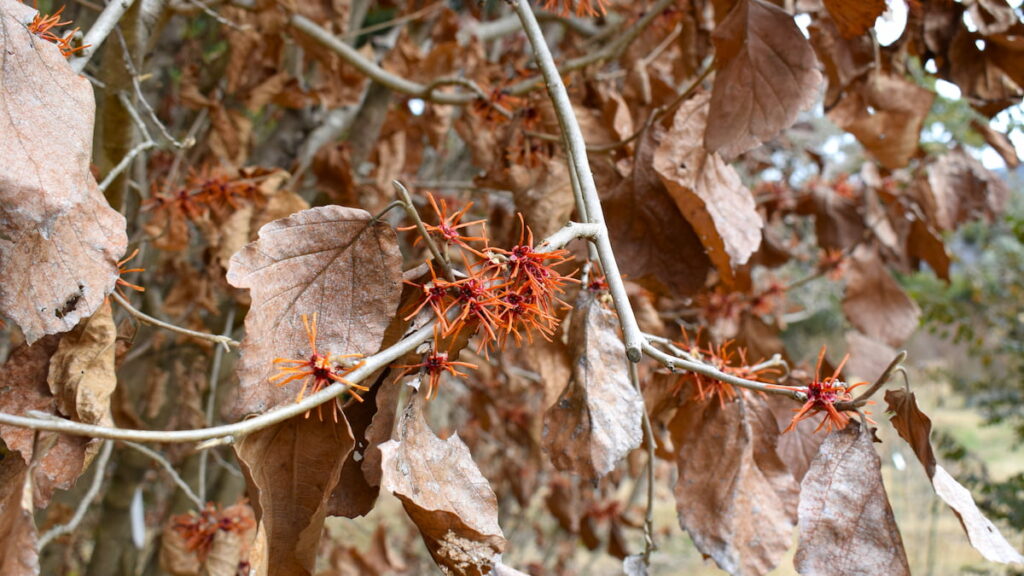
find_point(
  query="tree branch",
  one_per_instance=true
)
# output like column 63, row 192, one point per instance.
column 104, row 25
column 577, row 149
column 226, row 341
column 230, row 432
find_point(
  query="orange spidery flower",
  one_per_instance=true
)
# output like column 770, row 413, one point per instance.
column 121, row 271
column 199, row 529
column 479, row 304
column 435, row 293
column 448, row 226
column 42, row 25
column 320, row 369
column 822, row 395
column 434, row 364
column 536, row 269
column 521, row 311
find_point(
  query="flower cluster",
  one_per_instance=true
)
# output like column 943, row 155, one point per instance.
column 208, row 191
column 199, row 529
column 42, row 25
column 505, row 293
column 121, row 271
column 822, row 396
column 317, row 371
column 726, row 358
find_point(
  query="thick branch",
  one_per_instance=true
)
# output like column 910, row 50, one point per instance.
column 230, row 432
column 579, row 163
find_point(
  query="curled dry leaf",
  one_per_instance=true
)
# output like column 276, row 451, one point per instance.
column 885, row 112
column 734, row 496
column 984, row 536
column 82, row 376
column 291, row 469
column 444, row 494
column 333, row 261
column 24, row 389
column 915, row 427
column 708, row 191
column 767, row 74
column 59, row 239
column 19, row 555
column 846, row 523
column 653, row 242
column 854, row 17
column 875, row 303
column 598, row 418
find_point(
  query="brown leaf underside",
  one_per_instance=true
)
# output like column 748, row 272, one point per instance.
column 734, row 496
column 332, row 261
column 444, row 494
column 597, row 420
column 767, row 74
column 846, row 523
column 708, row 191
column 291, row 469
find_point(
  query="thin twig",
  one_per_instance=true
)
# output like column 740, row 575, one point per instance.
column 211, row 398
column 410, row 210
column 372, row 70
column 355, row 34
column 228, row 433
column 100, row 465
column 125, row 162
column 675, row 364
column 226, row 341
column 102, row 28
column 649, row 545
column 175, row 477
column 577, row 149
column 895, row 365
column 610, row 51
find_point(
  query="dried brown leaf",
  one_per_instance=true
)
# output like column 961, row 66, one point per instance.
column 846, row 523
column 957, row 188
column 767, row 74
column 708, row 191
column 444, row 494
column 82, row 376
column 53, row 280
column 924, row 243
column 885, row 112
column 654, row 243
column 875, row 303
column 291, row 469
column 19, row 555
column 799, row 446
column 598, row 418
column 332, row 261
column 24, row 389
column 47, row 124
column 984, row 536
column 854, row 17
column 913, row 426
column 734, row 496
column 230, row 548
column 845, row 60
